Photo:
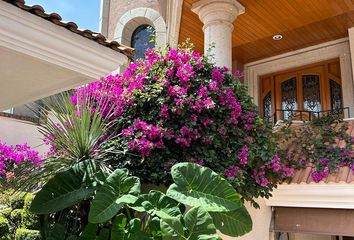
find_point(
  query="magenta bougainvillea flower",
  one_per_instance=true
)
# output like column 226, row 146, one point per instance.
column 176, row 107
column 11, row 157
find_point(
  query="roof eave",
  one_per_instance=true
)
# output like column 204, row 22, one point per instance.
column 25, row 34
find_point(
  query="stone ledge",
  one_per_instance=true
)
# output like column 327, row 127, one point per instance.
column 19, row 117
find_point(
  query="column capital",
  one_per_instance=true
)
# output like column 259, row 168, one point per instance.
column 217, row 11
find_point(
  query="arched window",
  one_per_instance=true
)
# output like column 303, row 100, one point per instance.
column 142, row 40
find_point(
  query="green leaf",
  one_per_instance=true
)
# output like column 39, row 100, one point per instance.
column 234, row 224
column 104, row 234
column 134, row 231
column 64, row 190
column 118, row 227
column 199, row 186
column 172, row 229
column 89, row 232
column 198, row 224
column 119, row 189
column 160, row 205
column 58, row 232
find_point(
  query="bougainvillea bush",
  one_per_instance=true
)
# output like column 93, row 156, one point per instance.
column 178, row 107
column 324, row 143
column 14, row 159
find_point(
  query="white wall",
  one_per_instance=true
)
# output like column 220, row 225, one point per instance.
column 13, row 131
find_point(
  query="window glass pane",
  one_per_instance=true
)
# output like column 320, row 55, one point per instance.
column 267, row 106
column 289, row 97
column 336, row 95
column 311, row 93
column 142, row 40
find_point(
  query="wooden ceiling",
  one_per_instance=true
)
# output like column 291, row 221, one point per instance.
column 301, row 22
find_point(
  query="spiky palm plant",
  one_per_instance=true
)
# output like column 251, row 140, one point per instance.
column 74, row 133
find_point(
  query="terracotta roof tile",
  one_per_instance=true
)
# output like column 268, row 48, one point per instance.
column 71, row 26
column 342, row 175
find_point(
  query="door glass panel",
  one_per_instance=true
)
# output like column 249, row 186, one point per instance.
column 311, row 93
column 267, row 106
column 336, row 95
column 289, row 97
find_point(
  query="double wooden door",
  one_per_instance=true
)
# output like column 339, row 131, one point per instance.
column 302, row 93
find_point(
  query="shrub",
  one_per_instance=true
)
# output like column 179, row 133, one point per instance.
column 16, row 217
column 179, row 107
column 12, row 157
column 12, row 198
column 4, row 227
column 25, row 234
column 29, row 220
column 6, row 213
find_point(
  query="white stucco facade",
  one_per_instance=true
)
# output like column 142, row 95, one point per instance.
column 14, row 131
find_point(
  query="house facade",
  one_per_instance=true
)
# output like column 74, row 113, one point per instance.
column 297, row 58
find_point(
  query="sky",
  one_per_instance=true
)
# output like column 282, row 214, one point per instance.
column 85, row 13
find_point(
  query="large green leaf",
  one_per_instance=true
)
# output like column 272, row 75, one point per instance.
column 134, row 230
column 131, row 231
column 199, row 186
column 119, row 189
column 64, row 190
column 160, row 205
column 104, row 234
column 118, row 227
column 89, row 232
column 234, row 224
column 57, row 233
column 172, row 229
column 197, row 222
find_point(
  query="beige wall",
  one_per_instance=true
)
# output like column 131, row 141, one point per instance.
column 13, row 131
column 119, row 7
column 261, row 223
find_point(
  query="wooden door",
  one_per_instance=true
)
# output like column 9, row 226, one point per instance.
column 302, row 93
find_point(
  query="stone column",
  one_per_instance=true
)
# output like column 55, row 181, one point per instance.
column 217, row 17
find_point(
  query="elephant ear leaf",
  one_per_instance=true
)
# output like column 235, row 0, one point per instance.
column 65, row 189
column 89, row 232
column 235, row 223
column 104, row 234
column 134, row 231
column 160, row 205
column 198, row 225
column 172, row 229
column 199, row 186
column 119, row 189
column 118, row 227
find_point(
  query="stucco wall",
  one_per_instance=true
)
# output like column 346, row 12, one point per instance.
column 119, row 7
column 13, row 131
column 261, row 223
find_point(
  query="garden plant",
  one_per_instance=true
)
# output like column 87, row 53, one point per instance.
column 173, row 119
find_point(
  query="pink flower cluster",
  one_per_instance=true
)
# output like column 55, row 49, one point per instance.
column 144, row 137
column 259, row 176
column 11, row 156
column 243, row 155
column 233, row 171
column 277, row 166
